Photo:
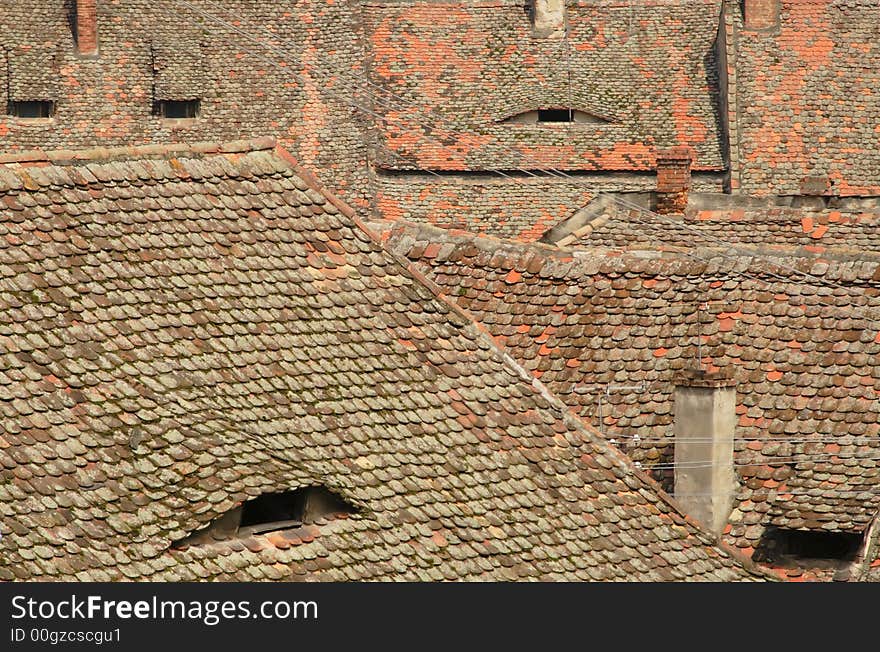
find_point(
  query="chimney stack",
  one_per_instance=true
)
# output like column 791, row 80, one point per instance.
column 705, row 418
column 87, row 27
column 673, row 179
column 548, row 18
column 761, row 14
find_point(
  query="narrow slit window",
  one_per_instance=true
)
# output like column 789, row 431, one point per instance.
column 178, row 109
column 32, row 109
column 566, row 115
column 555, row 115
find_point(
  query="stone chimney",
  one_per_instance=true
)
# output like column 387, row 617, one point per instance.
column 705, row 418
column 87, row 27
column 673, row 179
column 548, row 18
column 761, row 14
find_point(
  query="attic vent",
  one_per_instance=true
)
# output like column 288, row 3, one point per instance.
column 32, row 109
column 807, row 548
column 555, row 115
column 271, row 512
column 177, row 109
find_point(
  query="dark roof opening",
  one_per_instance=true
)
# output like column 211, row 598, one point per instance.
column 272, row 512
column 555, row 115
column 178, row 109
column 32, row 109
column 290, row 508
column 807, row 548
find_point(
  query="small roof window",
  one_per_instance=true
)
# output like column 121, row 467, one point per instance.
column 555, row 115
column 178, row 109
column 270, row 513
column 32, row 109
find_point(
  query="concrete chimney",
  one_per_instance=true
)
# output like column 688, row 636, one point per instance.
column 761, row 14
column 705, row 418
column 673, row 179
column 87, row 27
column 548, row 18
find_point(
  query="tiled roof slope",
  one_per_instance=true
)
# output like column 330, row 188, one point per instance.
column 184, row 330
column 808, row 431
column 808, row 98
column 648, row 68
column 808, row 230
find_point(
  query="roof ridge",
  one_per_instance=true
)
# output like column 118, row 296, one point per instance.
column 99, row 154
column 458, row 237
column 409, row 239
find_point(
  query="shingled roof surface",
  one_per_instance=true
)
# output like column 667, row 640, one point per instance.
column 808, row 97
column 287, row 83
column 786, row 229
column 645, row 71
column 803, row 352
column 185, row 329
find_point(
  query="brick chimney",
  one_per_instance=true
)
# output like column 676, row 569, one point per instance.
column 673, row 179
column 705, row 418
column 87, row 27
column 761, row 14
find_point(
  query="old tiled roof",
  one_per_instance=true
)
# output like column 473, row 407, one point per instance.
column 807, row 97
column 647, row 68
column 290, row 87
column 606, row 223
column 803, row 352
column 183, row 329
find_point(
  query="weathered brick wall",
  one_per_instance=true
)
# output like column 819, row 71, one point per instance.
column 522, row 207
column 808, row 97
column 149, row 47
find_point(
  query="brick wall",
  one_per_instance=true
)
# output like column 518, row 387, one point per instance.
column 521, row 207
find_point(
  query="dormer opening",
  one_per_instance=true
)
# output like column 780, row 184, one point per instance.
column 555, row 115
column 789, row 548
column 272, row 512
column 277, row 511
